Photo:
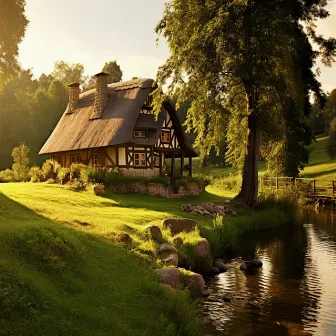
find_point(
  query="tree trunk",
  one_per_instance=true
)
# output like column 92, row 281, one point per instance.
column 249, row 191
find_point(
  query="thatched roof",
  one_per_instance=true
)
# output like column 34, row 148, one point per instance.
column 115, row 126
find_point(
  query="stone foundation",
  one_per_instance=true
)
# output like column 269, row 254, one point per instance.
column 139, row 172
column 157, row 189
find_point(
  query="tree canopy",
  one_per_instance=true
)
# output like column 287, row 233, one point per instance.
column 13, row 24
column 114, row 71
column 249, row 60
column 68, row 73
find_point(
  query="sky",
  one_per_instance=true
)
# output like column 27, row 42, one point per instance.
column 93, row 32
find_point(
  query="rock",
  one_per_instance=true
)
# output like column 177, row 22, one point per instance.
column 222, row 267
column 178, row 242
column 194, row 212
column 198, row 207
column 227, row 298
column 206, row 292
column 256, row 262
column 171, row 259
column 179, row 225
column 125, row 239
column 227, row 201
column 221, row 260
column 220, row 212
column 99, row 190
column 205, row 212
column 169, row 276
column 195, row 283
column 243, row 266
column 234, row 213
column 220, row 207
column 209, row 208
column 154, row 232
column 202, row 248
column 165, row 247
column 214, row 270
column 168, row 289
column 253, row 304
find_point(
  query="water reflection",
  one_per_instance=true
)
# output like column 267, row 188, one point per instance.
column 293, row 294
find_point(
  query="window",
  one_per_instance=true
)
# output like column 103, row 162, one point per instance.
column 95, row 159
column 165, row 136
column 139, row 160
column 140, row 134
column 76, row 159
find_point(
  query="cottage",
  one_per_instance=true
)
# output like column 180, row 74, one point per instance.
column 113, row 125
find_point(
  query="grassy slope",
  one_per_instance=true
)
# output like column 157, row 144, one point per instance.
column 70, row 278
column 320, row 166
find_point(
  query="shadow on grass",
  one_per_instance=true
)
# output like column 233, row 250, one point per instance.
column 57, row 280
column 319, row 174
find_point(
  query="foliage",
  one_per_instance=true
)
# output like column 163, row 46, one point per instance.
column 20, row 166
column 36, row 174
column 114, row 71
column 226, row 51
column 48, row 169
column 331, row 145
column 7, row 176
column 63, row 175
column 68, row 73
column 13, row 23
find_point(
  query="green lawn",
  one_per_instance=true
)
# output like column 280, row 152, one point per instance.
column 62, row 273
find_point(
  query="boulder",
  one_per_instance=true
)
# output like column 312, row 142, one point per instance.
column 209, row 208
column 171, row 259
column 169, row 276
column 125, row 239
column 178, row 242
column 256, row 262
column 179, row 225
column 202, row 248
column 165, row 247
column 214, row 270
column 99, row 190
column 194, row 212
column 154, row 232
column 243, row 266
column 222, row 267
column 168, row 289
column 198, row 207
column 195, row 283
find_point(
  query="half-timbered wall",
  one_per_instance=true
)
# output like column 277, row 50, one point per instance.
column 168, row 127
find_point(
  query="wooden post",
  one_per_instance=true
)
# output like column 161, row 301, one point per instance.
column 182, row 163
column 276, row 183
column 333, row 188
column 117, row 156
column 172, row 175
column 160, row 163
column 314, row 186
column 190, row 166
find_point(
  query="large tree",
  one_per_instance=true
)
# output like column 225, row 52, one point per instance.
column 13, row 23
column 114, row 71
column 256, row 49
column 68, row 73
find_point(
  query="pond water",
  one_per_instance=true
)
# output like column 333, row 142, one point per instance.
column 294, row 293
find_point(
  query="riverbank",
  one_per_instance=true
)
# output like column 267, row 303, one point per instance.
column 68, row 272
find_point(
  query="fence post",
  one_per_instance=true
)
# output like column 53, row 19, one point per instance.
column 276, row 183
column 314, row 186
column 333, row 188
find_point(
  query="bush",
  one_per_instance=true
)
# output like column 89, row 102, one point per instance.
column 36, row 174
column 48, row 169
column 331, row 144
column 7, row 176
column 63, row 175
column 75, row 171
column 20, row 166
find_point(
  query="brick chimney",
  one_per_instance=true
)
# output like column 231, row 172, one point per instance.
column 101, row 95
column 74, row 91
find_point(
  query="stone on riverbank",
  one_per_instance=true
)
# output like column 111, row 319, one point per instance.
column 179, row 225
column 195, row 283
column 214, row 270
column 154, row 232
column 243, row 267
column 125, row 239
column 169, row 276
column 221, row 266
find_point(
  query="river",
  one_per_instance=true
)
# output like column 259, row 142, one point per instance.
column 294, row 293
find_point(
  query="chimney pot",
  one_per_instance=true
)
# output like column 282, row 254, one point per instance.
column 74, row 91
column 101, row 95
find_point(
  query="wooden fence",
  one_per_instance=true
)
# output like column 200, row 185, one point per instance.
column 311, row 187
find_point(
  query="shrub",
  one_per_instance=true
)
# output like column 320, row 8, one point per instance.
column 48, row 169
column 331, row 144
column 63, row 175
column 20, row 166
column 7, row 176
column 36, row 174
column 75, row 171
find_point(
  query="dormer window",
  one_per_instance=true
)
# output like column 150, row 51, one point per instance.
column 165, row 136
column 140, row 134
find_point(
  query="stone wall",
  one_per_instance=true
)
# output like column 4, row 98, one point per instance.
column 157, row 189
column 139, row 172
